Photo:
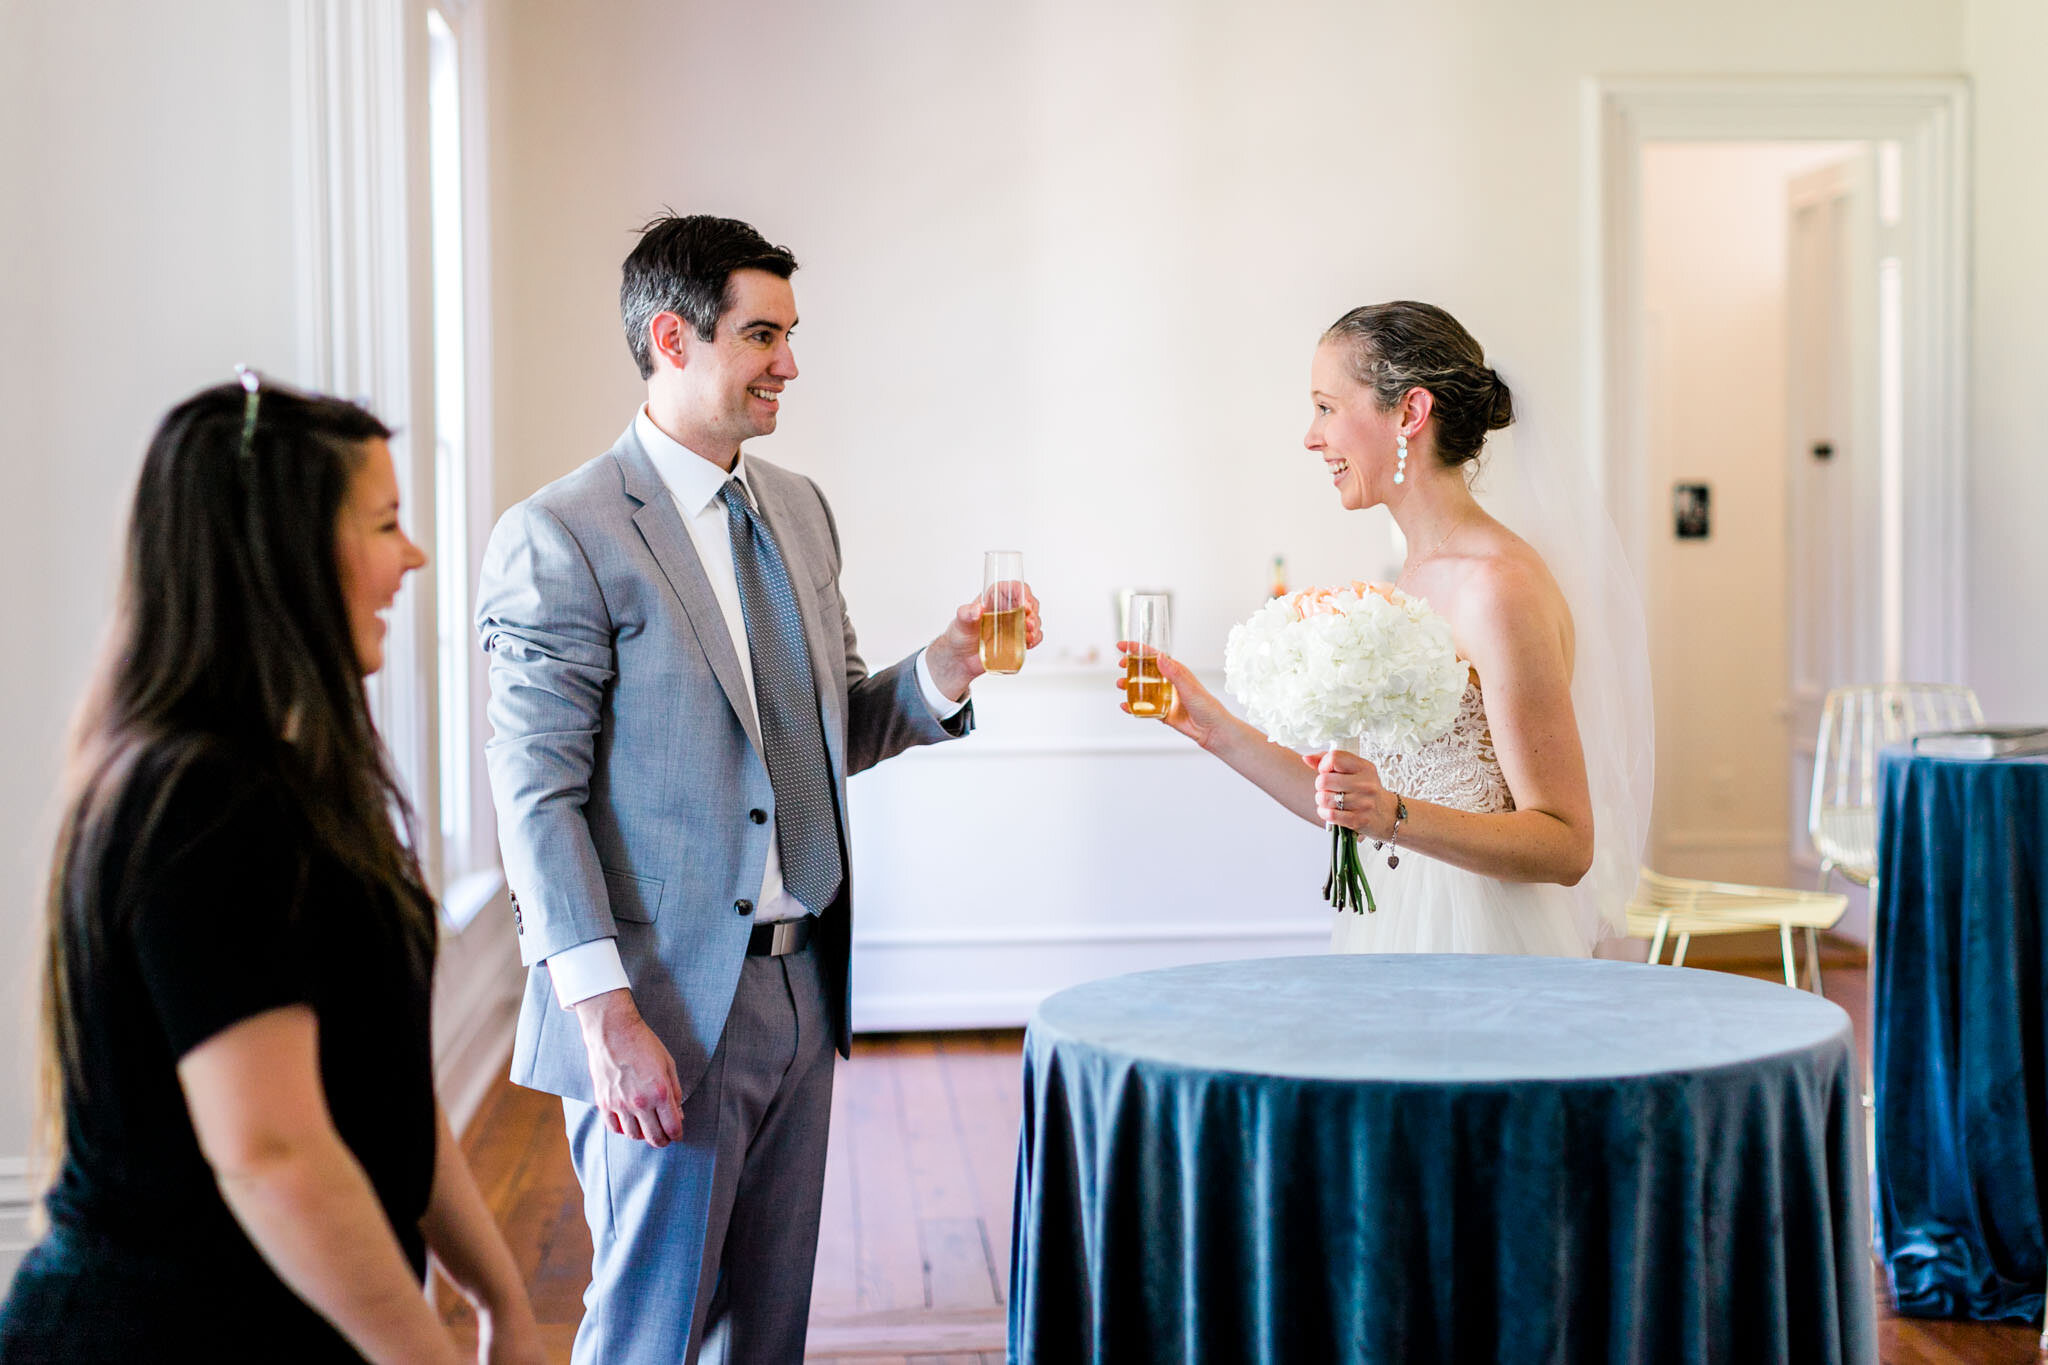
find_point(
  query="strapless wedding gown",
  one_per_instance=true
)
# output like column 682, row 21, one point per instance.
column 1430, row 907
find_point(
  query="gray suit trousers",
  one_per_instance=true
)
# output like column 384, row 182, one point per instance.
column 683, row 1268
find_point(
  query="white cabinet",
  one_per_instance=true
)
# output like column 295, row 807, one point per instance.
column 1061, row 842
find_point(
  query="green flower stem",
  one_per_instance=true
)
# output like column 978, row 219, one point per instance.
column 1333, row 885
column 1346, row 887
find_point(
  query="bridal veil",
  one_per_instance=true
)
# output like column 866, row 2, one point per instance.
column 1551, row 502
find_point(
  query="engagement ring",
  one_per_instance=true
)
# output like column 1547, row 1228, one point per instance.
column 1340, row 800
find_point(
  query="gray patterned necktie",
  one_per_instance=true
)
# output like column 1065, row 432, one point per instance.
column 786, row 695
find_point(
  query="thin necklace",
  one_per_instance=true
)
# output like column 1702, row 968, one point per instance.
column 1442, row 541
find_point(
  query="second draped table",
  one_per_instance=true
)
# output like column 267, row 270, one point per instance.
column 1959, row 1017
column 1396, row 1158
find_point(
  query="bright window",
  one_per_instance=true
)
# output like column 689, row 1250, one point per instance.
column 467, row 868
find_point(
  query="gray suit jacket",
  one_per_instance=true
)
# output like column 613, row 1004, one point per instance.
column 625, row 756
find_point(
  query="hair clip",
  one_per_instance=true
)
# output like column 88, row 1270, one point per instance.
column 251, row 382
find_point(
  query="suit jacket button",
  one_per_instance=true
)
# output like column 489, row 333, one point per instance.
column 743, row 907
column 759, row 817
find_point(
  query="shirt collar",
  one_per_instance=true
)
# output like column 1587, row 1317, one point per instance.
column 692, row 480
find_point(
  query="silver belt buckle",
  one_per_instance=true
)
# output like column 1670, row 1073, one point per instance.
column 782, row 939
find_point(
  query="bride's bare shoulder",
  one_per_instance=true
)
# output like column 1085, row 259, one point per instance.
column 1508, row 593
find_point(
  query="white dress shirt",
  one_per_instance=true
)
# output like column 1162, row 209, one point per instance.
column 694, row 482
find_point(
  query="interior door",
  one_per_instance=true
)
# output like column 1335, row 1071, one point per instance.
column 1834, row 607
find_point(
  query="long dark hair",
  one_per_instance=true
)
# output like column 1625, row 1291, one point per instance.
column 232, row 635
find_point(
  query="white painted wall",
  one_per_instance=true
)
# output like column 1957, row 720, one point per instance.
column 145, row 247
column 1064, row 265
column 147, row 243
column 1714, row 262
column 2008, row 582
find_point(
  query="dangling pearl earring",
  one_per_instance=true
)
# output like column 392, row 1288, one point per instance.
column 1401, row 460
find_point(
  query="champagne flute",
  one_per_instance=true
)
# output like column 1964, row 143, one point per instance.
column 1002, row 611
column 1148, row 628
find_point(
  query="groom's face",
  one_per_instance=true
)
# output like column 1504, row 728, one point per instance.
column 731, row 386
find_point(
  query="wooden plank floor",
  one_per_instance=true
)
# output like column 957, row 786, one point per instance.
column 914, row 1245
column 913, row 1250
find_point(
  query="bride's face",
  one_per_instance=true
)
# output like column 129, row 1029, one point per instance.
column 1355, row 438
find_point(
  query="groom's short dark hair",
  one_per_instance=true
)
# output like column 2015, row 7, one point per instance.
column 684, row 265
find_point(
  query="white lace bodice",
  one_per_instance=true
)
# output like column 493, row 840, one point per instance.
column 1459, row 770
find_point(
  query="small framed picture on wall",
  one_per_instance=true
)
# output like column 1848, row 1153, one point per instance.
column 1689, row 511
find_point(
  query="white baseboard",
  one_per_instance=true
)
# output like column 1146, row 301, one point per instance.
column 17, row 1203
column 1716, row 840
column 938, row 1010
column 994, row 976
column 1253, row 933
column 474, row 1066
column 476, row 1006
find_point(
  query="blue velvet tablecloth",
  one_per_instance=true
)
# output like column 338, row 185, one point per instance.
column 1439, row 1158
column 1957, row 1048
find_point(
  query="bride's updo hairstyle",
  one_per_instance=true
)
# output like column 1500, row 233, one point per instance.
column 1395, row 347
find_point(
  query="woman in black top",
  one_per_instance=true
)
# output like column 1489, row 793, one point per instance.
column 240, row 950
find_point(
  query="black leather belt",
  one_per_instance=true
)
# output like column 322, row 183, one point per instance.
column 782, row 937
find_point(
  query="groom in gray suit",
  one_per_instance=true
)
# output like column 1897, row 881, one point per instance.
column 676, row 703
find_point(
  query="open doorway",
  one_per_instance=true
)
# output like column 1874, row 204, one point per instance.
column 1777, row 395
column 1758, row 329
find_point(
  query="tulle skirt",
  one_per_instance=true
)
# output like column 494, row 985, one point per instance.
column 1430, row 907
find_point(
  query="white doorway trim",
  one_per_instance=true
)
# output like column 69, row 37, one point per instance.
column 1929, row 119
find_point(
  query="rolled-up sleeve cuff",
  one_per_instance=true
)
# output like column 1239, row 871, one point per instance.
column 587, row 969
column 943, row 707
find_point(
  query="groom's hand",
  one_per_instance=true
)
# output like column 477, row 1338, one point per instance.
column 632, row 1077
column 955, row 657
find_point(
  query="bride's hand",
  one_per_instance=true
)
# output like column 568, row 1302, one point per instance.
column 1368, row 807
column 1195, row 713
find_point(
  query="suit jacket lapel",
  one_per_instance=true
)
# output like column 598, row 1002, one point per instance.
column 668, row 540
column 822, row 634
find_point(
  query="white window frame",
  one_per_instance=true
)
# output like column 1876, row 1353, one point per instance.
column 468, row 865
column 365, row 275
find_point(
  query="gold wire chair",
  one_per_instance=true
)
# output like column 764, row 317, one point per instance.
column 1841, row 816
column 1663, row 906
column 1855, row 723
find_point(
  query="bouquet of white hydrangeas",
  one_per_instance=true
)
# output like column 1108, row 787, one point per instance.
column 1334, row 665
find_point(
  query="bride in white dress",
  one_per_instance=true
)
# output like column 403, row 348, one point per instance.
column 1508, row 835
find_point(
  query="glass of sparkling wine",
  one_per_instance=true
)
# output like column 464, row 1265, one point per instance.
column 1148, row 627
column 1002, row 611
